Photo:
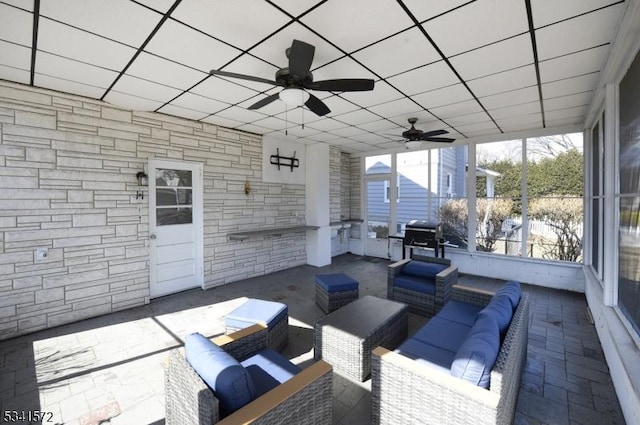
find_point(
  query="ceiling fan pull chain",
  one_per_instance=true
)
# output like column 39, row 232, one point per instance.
column 286, row 120
column 302, row 116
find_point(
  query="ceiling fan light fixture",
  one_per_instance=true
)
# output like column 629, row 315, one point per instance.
column 294, row 96
column 413, row 144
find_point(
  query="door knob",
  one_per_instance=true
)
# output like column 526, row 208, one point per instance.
column 152, row 236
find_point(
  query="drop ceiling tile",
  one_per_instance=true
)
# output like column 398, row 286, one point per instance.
column 67, row 86
column 241, row 24
column 572, row 85
column 325, row 124
column 199, row 103
column 513, row 97
column 516, row 110
column 135, row 103
column 355, row 24
column 296, row 7
column 585, row 31
column 63, row 40
column 342, row 68
column 381, row 126
column 367, row 137
column 165, row 72
column 520, row 122
column 480, row 132
column 321, row 137
column 119, row 20
column 577, row 121
column 170, row 41
column 337, row 105
column 15, row 56
column 249, row 65
column 161, row 6
column 546, row 12
column 395, row 108
column 512, row 79
column 347, row 131
column 79, row 72
column 296, row 115
column 422, row 116
column 222, row 122
column 357, row 117
column 425, row 78
column 252, row 128
column 182, row 112
column 382, row 92
column 478, row 24
column 563, row 102
column 24, row 4
column 14, row 74
column 240, row 114
column 145, row 89
column 576, row 113
column 274, row 50
column 573, row 64
column 508, row 54
column 461, row 108
column 224, row 90
column 474, row 118
column 16, row 25
column 444, row 96
column 427, row 9
column 403, row 51
column 273, row 123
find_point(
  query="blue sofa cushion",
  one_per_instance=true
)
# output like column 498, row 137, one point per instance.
column 336, row 282
column 443, row 333
column 512, row 290
column 422, row 269
column 268, row 369
column 461, row 312
column 413, row 283
column 227, row 378
column 478, row 353
column 499, row 308
column 256, row 311
column 420, row 350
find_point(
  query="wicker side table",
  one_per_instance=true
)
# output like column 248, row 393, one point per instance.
column 346, row 337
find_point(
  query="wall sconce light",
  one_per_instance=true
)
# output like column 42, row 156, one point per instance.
column 143, row 180
column 247, row 187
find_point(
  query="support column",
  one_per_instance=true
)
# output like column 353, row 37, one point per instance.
column 317, row 205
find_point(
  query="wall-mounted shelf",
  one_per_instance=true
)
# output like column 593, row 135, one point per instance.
column 273, row 231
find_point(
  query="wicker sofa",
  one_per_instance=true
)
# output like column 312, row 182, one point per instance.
column 424, row 283
column 304, row 398
column 410, row 390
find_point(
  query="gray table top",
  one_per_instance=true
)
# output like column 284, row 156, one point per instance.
column 363, row 316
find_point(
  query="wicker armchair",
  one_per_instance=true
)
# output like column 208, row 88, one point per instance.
column 305, row 398
column 419, row 302
column 405, row 391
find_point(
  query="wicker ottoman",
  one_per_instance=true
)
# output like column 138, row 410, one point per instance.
column 272, row 314
column 335, row 290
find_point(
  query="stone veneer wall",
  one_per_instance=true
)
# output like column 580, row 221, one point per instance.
column 356, row 167
column 67, row 182
column 335, row 184
column 345, row 188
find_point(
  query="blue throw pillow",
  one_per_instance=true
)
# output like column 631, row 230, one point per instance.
column 478, row 353
column 230, row 382
column 499, row 308
column 512, row 290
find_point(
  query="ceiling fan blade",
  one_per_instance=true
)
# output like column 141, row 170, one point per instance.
column 300, row 58
column 343, row 84
column 439, row 139
column 433, row 133
column 317, row 106
column 242, row 77
column 264, row 102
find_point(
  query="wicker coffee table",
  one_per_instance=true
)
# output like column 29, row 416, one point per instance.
column 346, row 337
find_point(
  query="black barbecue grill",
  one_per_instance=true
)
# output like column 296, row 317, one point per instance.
column 423, row 234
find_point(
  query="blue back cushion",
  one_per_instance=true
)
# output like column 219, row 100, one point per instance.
column 268, row 369
column 512, row 290
column 478, row 353
column 228, row 379
column 417, row 284
column 499, row 308
column 422, row 269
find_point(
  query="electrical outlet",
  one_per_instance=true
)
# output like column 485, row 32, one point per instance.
column 42, row 254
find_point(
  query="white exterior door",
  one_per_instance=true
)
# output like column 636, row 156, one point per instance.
column 175, row 226
column 377, row 217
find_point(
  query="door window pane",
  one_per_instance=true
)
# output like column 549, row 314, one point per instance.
column 172, row 196
column 168, row 216
column 173, row 178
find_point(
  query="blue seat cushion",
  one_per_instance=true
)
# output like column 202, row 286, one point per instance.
column 499, row 308
column 443, row 333
column 413, row 283
column 227, row 378
column 336, row 282
column 461, row 312
column 420, row 350
column 256, row 311
column 422, row 269
column 512, row 290
column 268, row 369
column 478, row 353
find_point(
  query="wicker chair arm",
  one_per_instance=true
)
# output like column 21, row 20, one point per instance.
column 471, row 295
column 306, row 398
column 245, row 342
column 445, row 280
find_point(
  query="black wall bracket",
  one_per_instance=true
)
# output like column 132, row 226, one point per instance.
column 285, row 161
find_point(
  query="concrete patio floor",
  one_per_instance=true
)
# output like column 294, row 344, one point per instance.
column 109, row 370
